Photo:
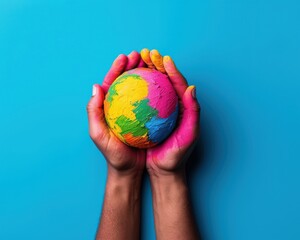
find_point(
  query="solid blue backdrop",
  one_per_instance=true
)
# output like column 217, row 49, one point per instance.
column 243, row 57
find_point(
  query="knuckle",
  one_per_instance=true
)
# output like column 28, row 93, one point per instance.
column 95, row 136
column 197, row 107
column 89, row 106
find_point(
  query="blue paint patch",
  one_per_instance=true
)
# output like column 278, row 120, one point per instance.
column 160, row 128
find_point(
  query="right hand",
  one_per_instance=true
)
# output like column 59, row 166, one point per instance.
column 170, row 156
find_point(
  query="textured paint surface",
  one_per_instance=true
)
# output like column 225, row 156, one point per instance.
column 141, row 107
column 242, row 56
column 160, row 91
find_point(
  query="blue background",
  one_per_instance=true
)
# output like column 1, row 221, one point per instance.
column 243, row 57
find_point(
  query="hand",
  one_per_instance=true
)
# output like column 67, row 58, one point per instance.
column 120, row 157
column 125, row 164
column 170, row 156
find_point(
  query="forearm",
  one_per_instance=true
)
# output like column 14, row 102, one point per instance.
column 121, row 208
column 173, row 214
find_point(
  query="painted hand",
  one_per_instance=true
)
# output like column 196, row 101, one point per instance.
column 170, row 156
column 119, row 156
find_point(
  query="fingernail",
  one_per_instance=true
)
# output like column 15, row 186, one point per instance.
column 94, row 90
column 155, row 52
column 144, row 50
column 131, row 53
column 194, row 92
column 167, row 58
column 118, row 57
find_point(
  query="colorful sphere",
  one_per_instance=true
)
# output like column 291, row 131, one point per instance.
column 141, row 107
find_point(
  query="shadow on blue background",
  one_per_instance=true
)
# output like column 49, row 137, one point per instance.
column 243, row 57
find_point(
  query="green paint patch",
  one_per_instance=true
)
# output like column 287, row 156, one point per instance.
column 129, row 126
column 143, row 111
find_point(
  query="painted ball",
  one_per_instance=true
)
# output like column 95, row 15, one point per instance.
column 141, row 107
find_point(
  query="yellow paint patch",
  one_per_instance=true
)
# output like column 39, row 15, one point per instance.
column 128, row 92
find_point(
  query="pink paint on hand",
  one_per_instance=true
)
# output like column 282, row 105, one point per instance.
column 187, row 131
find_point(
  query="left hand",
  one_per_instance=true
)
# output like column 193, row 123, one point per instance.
column 120, row 157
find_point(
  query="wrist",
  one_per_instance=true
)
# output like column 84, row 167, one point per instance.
column 168, row 187
column 161, row 176
column 125, row 174
column 121, row 207
column 170, row 197
column 123, row 186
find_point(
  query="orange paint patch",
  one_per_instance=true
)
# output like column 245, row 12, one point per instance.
column 139, row 142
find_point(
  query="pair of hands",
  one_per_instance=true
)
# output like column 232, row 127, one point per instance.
column 164, row 159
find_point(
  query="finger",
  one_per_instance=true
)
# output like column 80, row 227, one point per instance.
column 157, row 60
column 117, row 68
column 145, row 55
column 188, row 129
column 141, row 63
column 97, row 125
column 178, row 81
column 133, row 60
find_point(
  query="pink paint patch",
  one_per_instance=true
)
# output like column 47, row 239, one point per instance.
column 161, row 91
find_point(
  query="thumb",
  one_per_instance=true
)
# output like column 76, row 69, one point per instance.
column 189, row 124
column 97, row 126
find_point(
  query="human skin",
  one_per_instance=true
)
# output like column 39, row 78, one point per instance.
column 125, row 165
column 165, row 163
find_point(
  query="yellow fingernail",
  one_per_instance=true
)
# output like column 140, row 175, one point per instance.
column 167, row 58
column 193, row 91
column 154, row 51
column 144, row 50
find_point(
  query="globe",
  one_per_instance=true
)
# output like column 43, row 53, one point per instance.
column 141, row 107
